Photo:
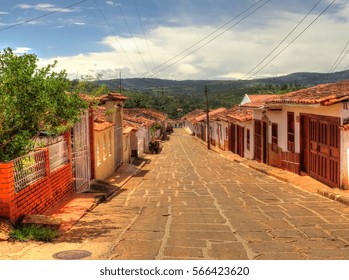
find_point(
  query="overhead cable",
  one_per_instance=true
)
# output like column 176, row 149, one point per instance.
column 339, row 59
column 145, row 37
column 129, row 30
column 116, row 37
column 208, row 36
column 42, row 16
column 283, row 40
column 305, row 29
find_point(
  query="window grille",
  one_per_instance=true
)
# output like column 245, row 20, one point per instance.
column 58, row 155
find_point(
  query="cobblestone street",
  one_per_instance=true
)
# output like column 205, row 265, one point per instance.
column 188, row 203
column 191, row 203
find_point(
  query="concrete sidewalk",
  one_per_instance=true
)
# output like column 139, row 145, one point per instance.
column 65, row 214
column 73, row 208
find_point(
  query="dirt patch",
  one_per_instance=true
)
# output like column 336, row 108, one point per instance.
column 5, row 229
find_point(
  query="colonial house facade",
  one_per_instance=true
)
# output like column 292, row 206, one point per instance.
column 104, row 143
column 143, row 133
column 304, row 132
column 157, row 117
column 189, row 121
column 234, row 127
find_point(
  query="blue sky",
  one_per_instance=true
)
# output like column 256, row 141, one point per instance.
column 171, row 39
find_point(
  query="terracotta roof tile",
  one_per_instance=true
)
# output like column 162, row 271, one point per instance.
column 145, row 112
column 259, row 100
column 325, row 94
column 112, row 97
column 192, row 115
column 102, row 126
column 138, row 120
column 99, row 114
column 100, row 121
column 235, row 113
column 210, row 114
column 128, row 127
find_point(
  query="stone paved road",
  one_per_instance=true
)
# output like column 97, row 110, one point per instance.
column 190, row 203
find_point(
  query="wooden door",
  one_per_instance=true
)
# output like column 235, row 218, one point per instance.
column 232, row 139
column 258, row 140
column 304, row 143
column 264, row 142
column 240, row 141
column 324, row 156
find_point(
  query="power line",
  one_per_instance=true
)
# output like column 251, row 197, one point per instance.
column 283, row 40
column 145, row 37
column 338, row 60
column 203, row 39
column 212, row 39
column 294, row 38
column 129, row 30
column 116, row 37
column 42, row 16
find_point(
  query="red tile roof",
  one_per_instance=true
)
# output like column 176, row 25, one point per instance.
column 112, row 97
column 139, row 120
column 102, row 126
column 325, row 94
column 258, row 100
column 235, row 113
column 144, row 112
column 127, row 127
column 102, row 98
column 99, row 114
column 211, row 114
column 193, row 114
column 100, row 121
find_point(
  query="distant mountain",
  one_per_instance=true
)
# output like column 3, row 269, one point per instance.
column 177, row 98
column 196, row 87
column 310, row 79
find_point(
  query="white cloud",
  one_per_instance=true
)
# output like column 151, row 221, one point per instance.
column 231, row 55
column 21, row 50
column 45, row 7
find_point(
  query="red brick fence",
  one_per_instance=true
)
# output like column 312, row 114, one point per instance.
column 33, row 183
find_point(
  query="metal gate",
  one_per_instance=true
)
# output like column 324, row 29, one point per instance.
column 118, row 145
column 81, row 154
column 140, row 147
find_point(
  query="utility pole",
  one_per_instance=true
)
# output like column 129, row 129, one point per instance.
column 207, row 120
column 120, row 84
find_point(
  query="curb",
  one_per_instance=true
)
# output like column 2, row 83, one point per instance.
column 334, row 196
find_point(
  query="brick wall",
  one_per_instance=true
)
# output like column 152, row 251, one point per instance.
column 37, row 197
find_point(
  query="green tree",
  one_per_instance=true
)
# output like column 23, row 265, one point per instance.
column 32, row 100
column 90, row 85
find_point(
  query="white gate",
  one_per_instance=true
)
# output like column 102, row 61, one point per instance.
column 140, row 147
column 118, row 145
column 81, row 154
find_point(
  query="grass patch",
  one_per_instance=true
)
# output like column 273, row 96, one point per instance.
column 26, row 233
